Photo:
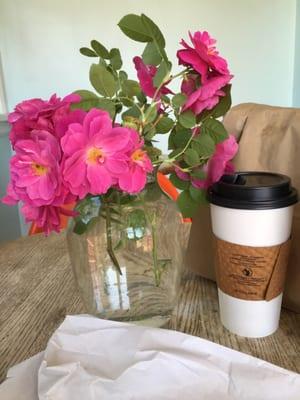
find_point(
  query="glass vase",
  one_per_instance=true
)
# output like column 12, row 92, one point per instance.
column 128, row 264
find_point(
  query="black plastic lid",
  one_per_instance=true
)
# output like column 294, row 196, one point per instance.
column 253, row 191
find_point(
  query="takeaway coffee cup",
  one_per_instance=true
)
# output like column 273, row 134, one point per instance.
column 251, row 220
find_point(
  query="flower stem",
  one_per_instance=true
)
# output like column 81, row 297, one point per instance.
column 133, row 103
column 110, row 249
column 179, row 74
column 154, row 254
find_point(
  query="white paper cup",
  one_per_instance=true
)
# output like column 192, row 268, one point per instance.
column 238, row 219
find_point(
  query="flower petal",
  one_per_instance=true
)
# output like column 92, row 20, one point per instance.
column 96, row 121
column 115, row 141
column 134, row 181
column 74, row 139
column 99, row 178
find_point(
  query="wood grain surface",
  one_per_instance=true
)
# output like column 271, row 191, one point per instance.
column 37, row 291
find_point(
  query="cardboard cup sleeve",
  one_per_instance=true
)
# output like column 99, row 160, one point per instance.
column 251, row 273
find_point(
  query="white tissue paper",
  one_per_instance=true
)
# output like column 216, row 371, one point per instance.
column 93, row 359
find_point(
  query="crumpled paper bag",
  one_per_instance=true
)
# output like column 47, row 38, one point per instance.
column 88, row 358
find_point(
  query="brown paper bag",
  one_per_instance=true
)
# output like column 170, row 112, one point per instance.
column 269, row 140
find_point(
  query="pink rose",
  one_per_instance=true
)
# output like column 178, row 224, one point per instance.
column 38, row 114
column 218, row 165
column 36, row 180
column 139, row 164
column 206, row 96
column 202, row 56
column 35, row 170
column 94, row 154
column 145, row 75
column 48, row 217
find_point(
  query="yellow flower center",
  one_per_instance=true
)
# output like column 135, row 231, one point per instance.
column 211, row 51
column 39, row 169
column 138, row 155
column 95, row 155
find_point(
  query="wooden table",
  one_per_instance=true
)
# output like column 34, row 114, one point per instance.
column 37, row 291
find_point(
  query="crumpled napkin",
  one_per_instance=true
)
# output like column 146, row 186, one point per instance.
column 21, row 380
column 88, row 358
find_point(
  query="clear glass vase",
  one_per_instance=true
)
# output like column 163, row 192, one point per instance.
column 129, row 268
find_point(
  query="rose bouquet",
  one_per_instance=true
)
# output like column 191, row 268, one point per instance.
column 100, row 146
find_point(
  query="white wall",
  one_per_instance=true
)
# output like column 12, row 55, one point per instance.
column 40, row 39
column 296, row 95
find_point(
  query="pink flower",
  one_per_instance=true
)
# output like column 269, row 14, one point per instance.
column 35, row 108
column 185, row 176
column 11, row 197
column 38, row 114
column 202, row 56
column 48, row 217
column 205, row 97
column 36, row 180
column 218, row 165
column 94, row 154
column 145, row 75
column 35, row 170
column 220, row 162
column 135, row 179
column 45, row 217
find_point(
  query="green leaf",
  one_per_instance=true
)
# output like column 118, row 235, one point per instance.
column 179, row 183
column 131, row 112
column 181, row 137
column 175, row 152
column 142, row 98
column 79, row 227
column 164, row 125
column 154, row 31
column 224, row 104
column 149, row 132
column 156, row 36
column 123, row 76
column 198, row 195
column 171, row 143
column 187, row 119
column 165, row 99
column 152, row 192
column 115, row 58
column 162, row 74
column 91, row 100
column 100, row 49
column 102, row 62
column 136, row 218
column 191, row 157
column 215, row 129
column 87, row 52
column 107, row 105
column 118, row 107
column 151, row 55
column 187, row 205
column 131, row 88
column 178, row 100
column 102, row 80
column 153, row 152
column 203, row 145
column 125, row 100
column 88, row 100
column 151, row 113
column 133, row 27
column 199, row 174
